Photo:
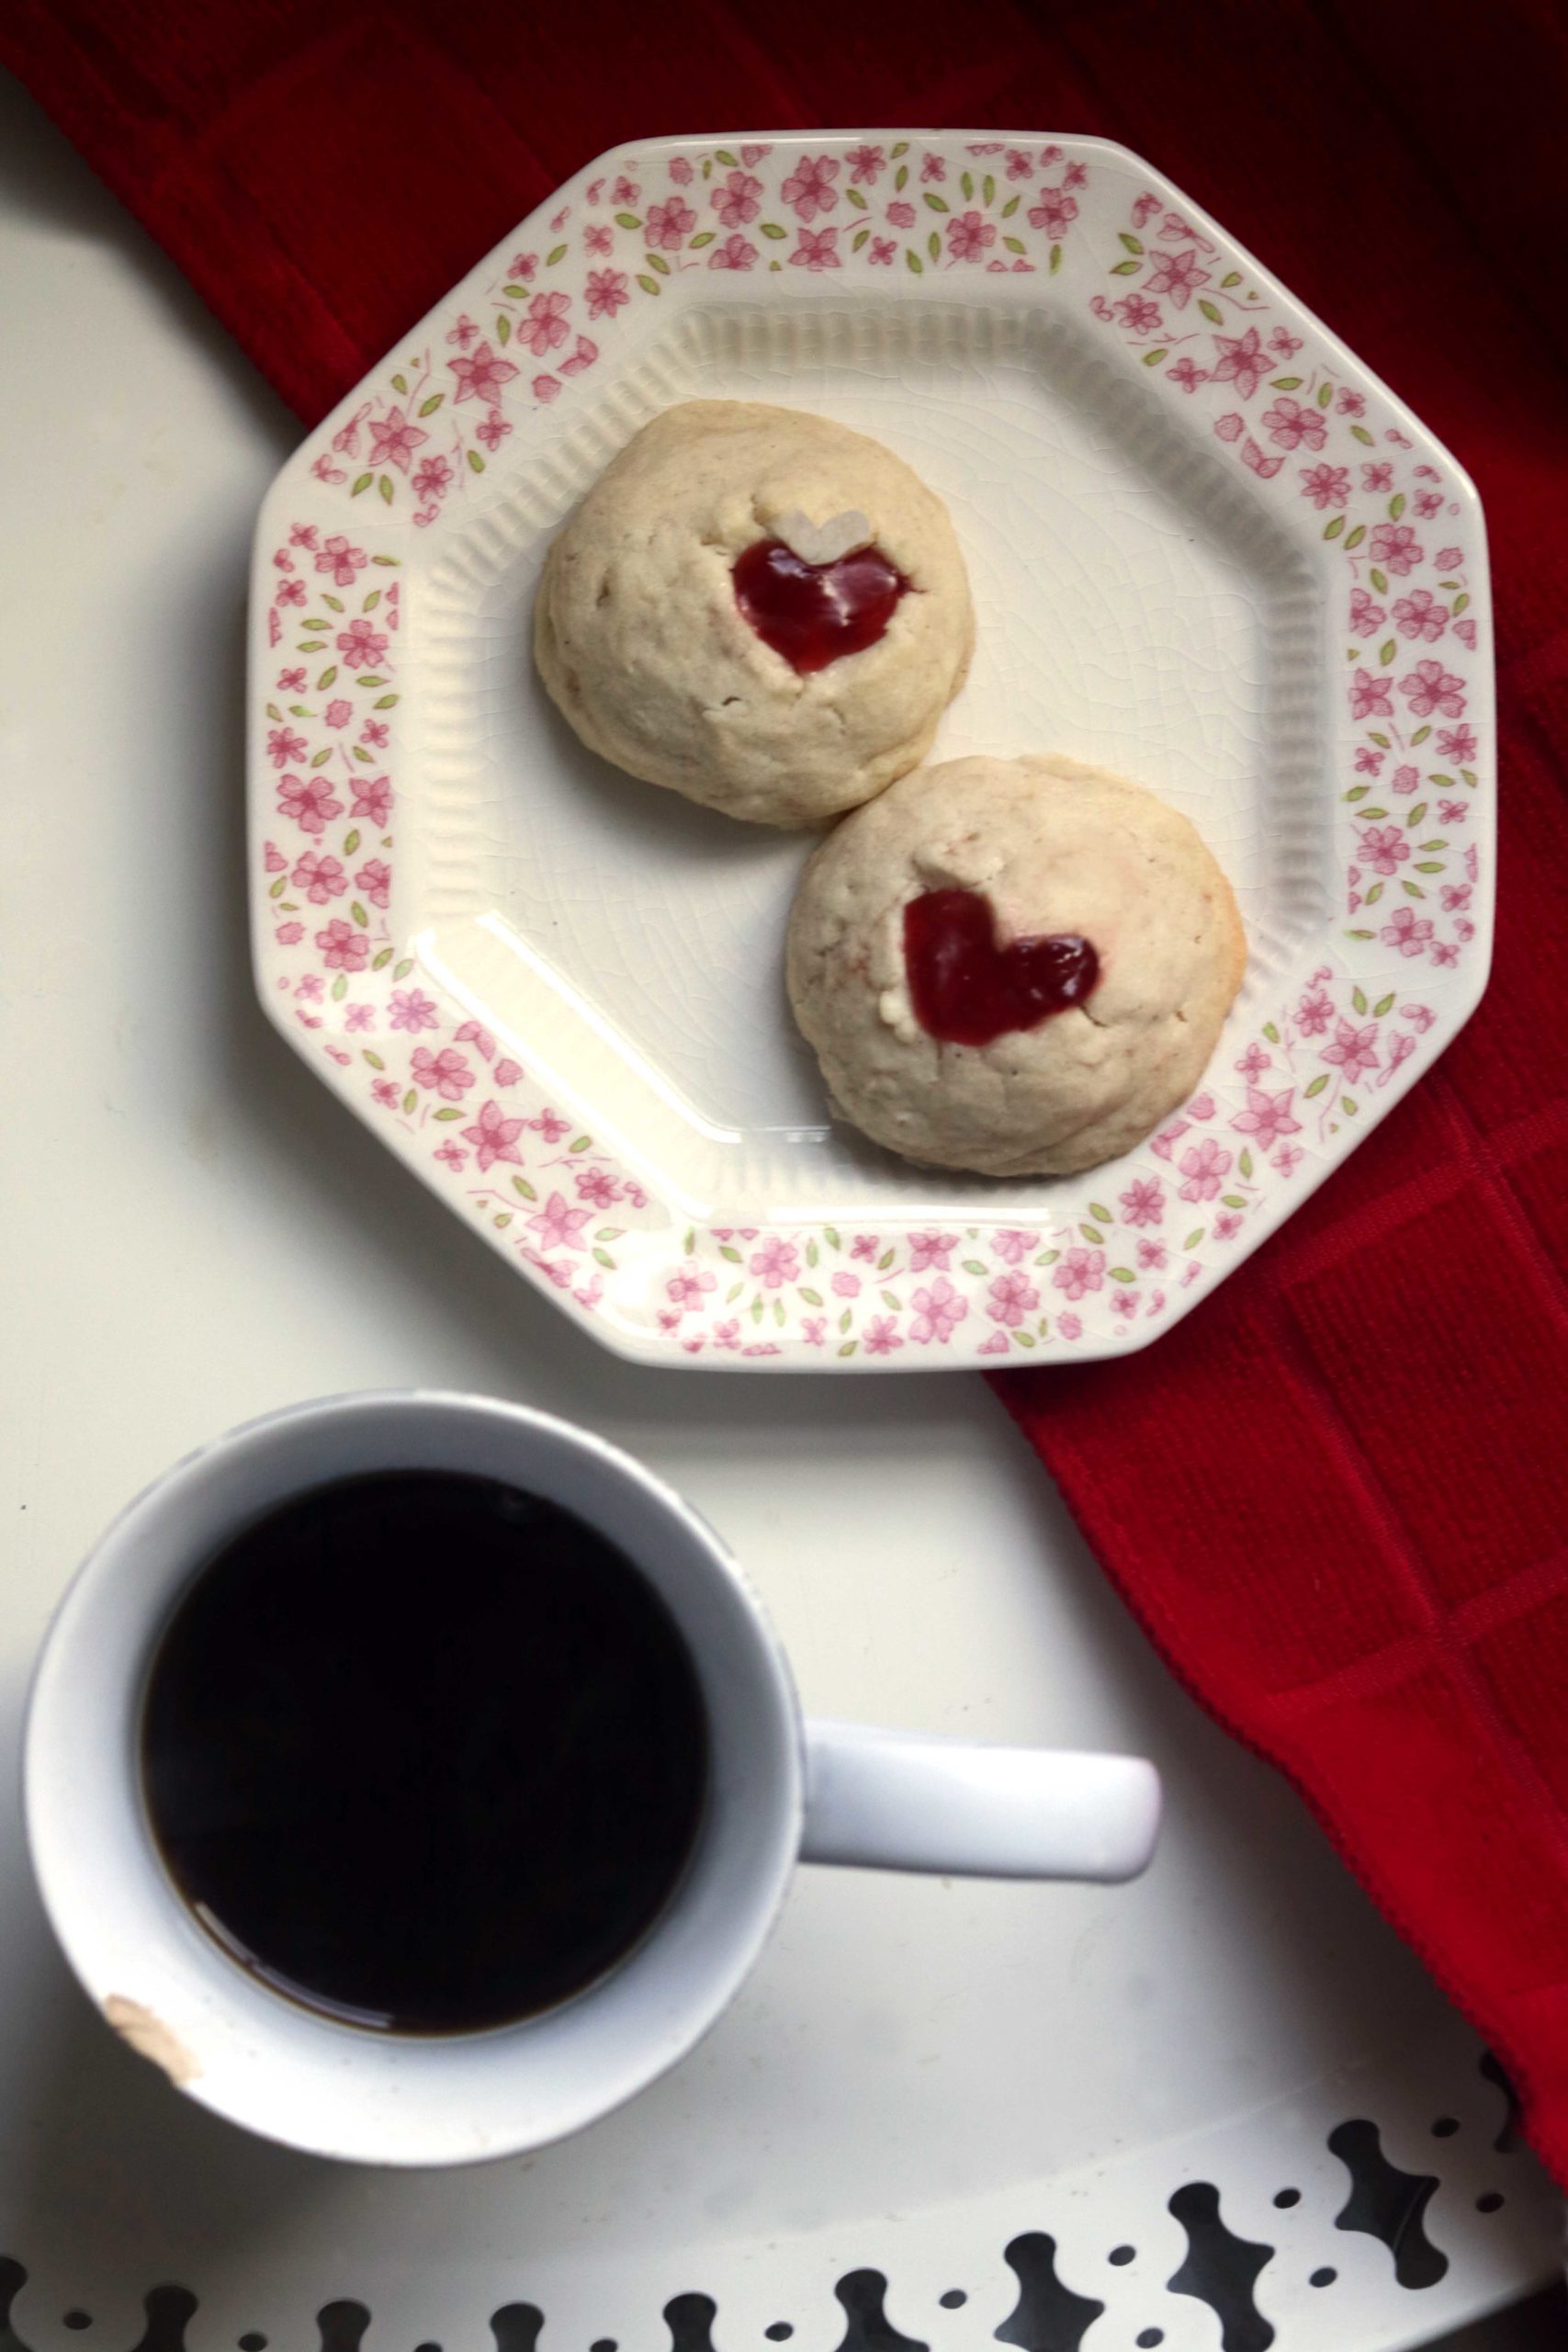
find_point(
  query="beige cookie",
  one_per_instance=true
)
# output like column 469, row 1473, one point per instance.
column 1057, row 851
column 641, row 640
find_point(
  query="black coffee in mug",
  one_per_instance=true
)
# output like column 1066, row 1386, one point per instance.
column 424, row 1752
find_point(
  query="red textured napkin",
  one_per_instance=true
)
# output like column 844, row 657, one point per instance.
column 1334, row 1495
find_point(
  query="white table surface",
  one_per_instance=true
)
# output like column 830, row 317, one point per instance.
column 192, row 1231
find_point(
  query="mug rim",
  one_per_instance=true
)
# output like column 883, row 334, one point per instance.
column 220, row 2032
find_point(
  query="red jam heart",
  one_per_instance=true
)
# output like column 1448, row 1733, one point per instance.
column 967, row 990
column 815, row 613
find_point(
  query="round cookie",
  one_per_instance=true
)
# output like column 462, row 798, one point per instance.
column 642, row 642
column 1032, row 857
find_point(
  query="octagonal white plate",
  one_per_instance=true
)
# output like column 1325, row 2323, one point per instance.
column 1207, row 546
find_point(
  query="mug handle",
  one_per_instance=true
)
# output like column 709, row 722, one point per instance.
column 904, row 1800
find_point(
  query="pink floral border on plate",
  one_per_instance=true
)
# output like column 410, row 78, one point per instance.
column 1391, row 518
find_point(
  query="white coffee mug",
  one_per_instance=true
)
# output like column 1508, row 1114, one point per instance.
column 779, row 1790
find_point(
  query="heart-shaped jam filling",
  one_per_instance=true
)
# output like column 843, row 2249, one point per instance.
column 967, row 990
column 815, row 613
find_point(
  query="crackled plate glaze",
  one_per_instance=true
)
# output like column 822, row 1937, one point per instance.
column 1207, row 546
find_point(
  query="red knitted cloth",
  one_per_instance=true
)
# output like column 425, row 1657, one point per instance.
column 1334, row 1495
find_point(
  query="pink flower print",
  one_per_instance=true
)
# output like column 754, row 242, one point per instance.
column 1226, row 1224
column 846, row 1286
column 494, row 1136
column 882, row 1336
column 492, row 430
column 816, row 249
column 463, row 334
column 394, row 439
column 1242, row 361
column 1012, row 1297
column 1445, row 953
column 1406, row 932
column 1455, row 896
column 283, row 746
column 543, row 326
column 608, row 291
column 1267, row 1117
column 1152, row 1256
column 866, row 165
column 1365, row 615
column 1431, row 687
column 689, row 1288
column 864, row 1247
column 319, row 877
column 1054, row 213
column 597, row 1186
column 1313, row 1014
column 412, row 1008
column 1204, row 1168
column 338, row 714
column 968, row 235
column 303, row 534
column 1449, row 558
column 1070, row 1326
column 1420, row 1017
column 449, row 1072
column 1393, row 545
column 431, row 476
column 1012, row 1245
column 273, row 859
column 343, row 949
column 814, row 1330
column 938, row 1312
column 1349, row 403
column 557, row 1225
column 1325, row 485
column 1166, row 1141
column 1456, row 743
column 1384, row 848
column 1187, row 374
column 882, row 250
column 361, row 646
column 1138, row 314
column 372, row 799
column 901, row 215
column 668, row 224
column 1452, row 812
column 1177, row 275
column 1019, row 166
column 291, row 682
column 289, row 934
column 1124, row 1302
column 507, row 1072
column 346, row 440
column 283, row 559
column 1144, row 209
column 546, row 388
column 524, row 265
column 1369, row 696
column 733, row 253
column 310, row 800
column 1353, row 1050
column 1426, row 504
column 374, row 879
column 1079, row 1271
column 1252, row 455
column 776, row 1263
column 1285, row 343
column 737, row 200
column 451, row 1157
column 385, row 1091
column 727, row 1335
column 1465, row 631
column 1367, row 761
column 1143, row 1201
column 928, row 1250
column 1405, row 779
column 1378, row 475
column 470, row 1034
column 373, row 732
column 310, row 988
column 1254, row 1062
column 483, row 375
column 626, row 191
column 551, row 1126
column 596, row 238
column 340, row 560
column 1420, row 615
